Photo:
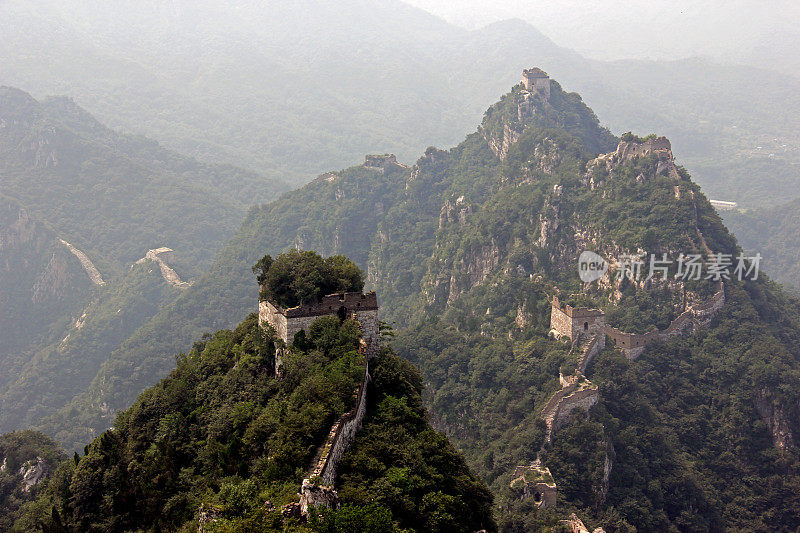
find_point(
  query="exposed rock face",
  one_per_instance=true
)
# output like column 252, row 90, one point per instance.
column 32, row 473
column 548, row 156
column 502, row 143
column 50, row 281
column 523, row 317
column 457, row 211
column 774, row 416
column 475, row 268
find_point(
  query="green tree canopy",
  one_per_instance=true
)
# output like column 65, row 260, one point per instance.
column 299, row 277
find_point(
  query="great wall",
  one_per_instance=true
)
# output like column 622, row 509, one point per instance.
column 87, row 264
column 169, row 275
column 317, row 489
column 587, row 330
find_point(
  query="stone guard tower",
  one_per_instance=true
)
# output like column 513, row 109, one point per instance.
column 536, row 80
column 576, row 322
column 355, row 305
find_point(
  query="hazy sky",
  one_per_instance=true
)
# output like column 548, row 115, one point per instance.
column 740, row 30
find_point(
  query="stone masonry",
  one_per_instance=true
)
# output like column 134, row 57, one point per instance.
column 288, row 322
column 576, row 322
column 536, row 80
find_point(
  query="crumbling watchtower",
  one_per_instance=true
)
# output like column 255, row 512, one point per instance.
column 363, row 307
column 536, row 80
column 576, row 322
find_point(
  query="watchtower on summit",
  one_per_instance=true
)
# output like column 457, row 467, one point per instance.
column 287, row 322
column 536, row 80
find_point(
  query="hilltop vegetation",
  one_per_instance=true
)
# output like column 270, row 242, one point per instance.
column 303, row 277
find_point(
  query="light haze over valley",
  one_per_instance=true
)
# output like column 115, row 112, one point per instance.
column 152, row 152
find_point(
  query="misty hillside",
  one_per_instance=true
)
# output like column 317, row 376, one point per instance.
column 292, row 90
column 79, row 205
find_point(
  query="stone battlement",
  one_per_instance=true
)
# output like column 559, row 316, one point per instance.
column 289, row 322
column 633, row 344
column 660, row 146
column 575, row 322
column 330, row 304
column 583, row 322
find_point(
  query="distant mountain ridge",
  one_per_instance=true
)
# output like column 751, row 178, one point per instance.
column 79, row 204
column 249, row 84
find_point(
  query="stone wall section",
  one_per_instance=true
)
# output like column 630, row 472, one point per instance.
column 288, row 322
column 594, row 347
column 584, row 399
column 86, row 263
column 318, row 488
column 697, row 315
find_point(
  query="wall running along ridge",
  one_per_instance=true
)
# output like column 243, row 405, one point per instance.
column 169, row 275
column 317, row 489
column 581, row 322
column 87, row 264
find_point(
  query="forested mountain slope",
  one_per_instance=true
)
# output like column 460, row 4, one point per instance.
column 79, row 204
column 466, row 248
column 224, row 442
column 42, row 284
column 775, row 233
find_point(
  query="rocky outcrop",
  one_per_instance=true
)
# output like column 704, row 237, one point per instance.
column 451, row 212
column 473, row 269
column 500, row 144
column 773, row 413
column 32, row 473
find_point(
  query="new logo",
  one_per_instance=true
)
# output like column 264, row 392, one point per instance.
column 591, row 266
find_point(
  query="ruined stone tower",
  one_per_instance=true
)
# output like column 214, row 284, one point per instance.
column 355, row 305
column 576, row 322
column 536, row 80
